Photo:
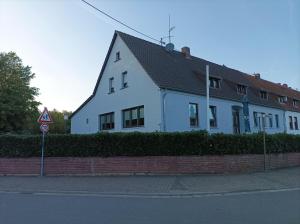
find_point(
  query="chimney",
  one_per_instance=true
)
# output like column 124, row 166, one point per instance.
column 256, row 75
column 186, row 52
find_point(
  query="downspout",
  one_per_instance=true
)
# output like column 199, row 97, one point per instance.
column 163, row 122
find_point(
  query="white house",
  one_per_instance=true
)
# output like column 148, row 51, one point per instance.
column 145, row 87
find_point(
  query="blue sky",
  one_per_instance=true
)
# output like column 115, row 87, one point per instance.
column 65, row 42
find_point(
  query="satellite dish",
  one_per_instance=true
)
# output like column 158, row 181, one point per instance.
column 170, row 47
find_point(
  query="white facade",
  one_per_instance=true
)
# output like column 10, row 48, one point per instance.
column 166, row 110
column 141, row 90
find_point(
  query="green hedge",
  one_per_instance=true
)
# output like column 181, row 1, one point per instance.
column 146, row 144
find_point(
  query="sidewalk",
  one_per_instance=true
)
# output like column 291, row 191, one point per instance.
column 155, row 185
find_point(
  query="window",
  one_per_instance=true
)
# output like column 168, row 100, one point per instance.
column 296, row 123
column 124, row 80
column 193, row 113
column 270, row 120
column 291, row 122
column 255, row 119
column 263, row 95
column 107, row 121
column 241, row 89
column 214, row 83
column 111, row 85
column 118, row 56
column 133, row 117
column 263, row 115
column 213, row 116
column 295, row 103
column 87, row 121
column 277, row 120
column 282, row 99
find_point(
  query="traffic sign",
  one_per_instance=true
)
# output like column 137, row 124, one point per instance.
column 44, row 128
column 45, row 117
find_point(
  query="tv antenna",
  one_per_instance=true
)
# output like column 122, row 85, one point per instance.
column 169, row 32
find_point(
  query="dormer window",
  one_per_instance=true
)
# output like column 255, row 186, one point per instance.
column 282, row 99
column 263, row 95
column 118, row 56
column 241, row 89
column 295, row 103
column 214, row 83
column 111, row 85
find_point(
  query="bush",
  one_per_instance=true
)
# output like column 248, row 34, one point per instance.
column 146, row 144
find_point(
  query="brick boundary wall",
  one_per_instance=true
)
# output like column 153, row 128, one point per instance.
column 147, row 165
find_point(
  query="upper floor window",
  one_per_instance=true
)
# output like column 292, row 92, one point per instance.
column 241, row 89
column 295, row 103
column 124, row 80
column 263, row 95
column 118, row 56
column 87, row 121
column 282, row 99
column 133, row 117
column 111, row 85
column 277, row 120
column 214, row 83
column 296, row 123
column 213, row 116
column 193, row 113
column 107, row 121
column 291, row 122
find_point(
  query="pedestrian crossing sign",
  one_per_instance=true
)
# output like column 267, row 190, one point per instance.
column 45, row 117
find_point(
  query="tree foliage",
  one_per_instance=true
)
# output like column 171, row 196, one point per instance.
column 59, row 125
column 18, row 107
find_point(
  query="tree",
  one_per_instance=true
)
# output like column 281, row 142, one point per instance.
column 18, row 107
column 59, row 125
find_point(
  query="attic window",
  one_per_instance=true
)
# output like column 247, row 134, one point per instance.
column 295, row 103
column 111, row 85
column 241, row 89
column 118, row 56
column 282, row 99
column 263, row 95
column 214, row 83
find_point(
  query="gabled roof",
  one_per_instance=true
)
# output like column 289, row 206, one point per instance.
column 173, row 71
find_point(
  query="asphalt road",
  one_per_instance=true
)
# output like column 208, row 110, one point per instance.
column 268, row 206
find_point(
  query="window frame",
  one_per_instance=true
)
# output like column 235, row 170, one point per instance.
column 277, row 120
column 111, row 88
column 138, row 118
column 196, row 116
column 291, row 124
column 263, row 93
column 216, row 83
column 240, row 87
column 271, row 124
column 296, row 123
column 118, row 56
column 255, row 118
column 112, row 121
column 123, row 79
column 213, row 122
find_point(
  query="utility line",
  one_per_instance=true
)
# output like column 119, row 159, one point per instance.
column 104, row 13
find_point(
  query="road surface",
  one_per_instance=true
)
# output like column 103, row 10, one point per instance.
column 280, row 206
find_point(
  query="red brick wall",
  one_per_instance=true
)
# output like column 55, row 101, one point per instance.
column 153, row 165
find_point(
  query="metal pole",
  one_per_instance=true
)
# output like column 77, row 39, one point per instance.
column 264, row 140
column 207, row 99
column 42, row 155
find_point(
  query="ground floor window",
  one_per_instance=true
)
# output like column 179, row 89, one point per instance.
column 296, row 123
column 291, row 122
column 133, row 117
column 193, row 113
column 213, row 116
column 255, row 117
column 107, row 121
column 277, row 121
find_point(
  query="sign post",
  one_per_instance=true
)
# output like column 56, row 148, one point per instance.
column 44, row 120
